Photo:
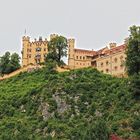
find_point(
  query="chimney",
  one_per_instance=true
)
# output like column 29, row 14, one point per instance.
column 112, row 45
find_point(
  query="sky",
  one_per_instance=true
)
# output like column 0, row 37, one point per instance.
column 93, row 23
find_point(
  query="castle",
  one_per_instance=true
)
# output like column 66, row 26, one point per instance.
column 109, row 59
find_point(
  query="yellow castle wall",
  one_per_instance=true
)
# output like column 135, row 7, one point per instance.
column 112, row 64
column 31, row 50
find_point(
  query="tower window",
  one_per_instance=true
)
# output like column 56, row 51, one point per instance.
column 115, row 68
column 107, row 70
column 115, row 60
column 107, row 63
column 102, row 64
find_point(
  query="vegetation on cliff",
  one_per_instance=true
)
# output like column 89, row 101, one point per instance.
column 78, row 105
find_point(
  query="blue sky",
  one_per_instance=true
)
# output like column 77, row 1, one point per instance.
column 93, row 23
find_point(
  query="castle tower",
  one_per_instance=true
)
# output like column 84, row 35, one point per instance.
column 25, row 41
column 71, row 44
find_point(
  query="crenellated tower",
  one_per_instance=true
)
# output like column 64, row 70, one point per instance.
column 34, row 52
column 71, row 56
column 25, row 44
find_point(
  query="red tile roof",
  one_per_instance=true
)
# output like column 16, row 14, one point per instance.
column 105, row 50
column 87, row 52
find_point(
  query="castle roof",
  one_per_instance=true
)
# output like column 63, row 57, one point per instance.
column 103, row 51
column 113, row 50
column 86, row 52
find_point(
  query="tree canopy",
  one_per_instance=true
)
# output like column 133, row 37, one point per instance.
column 57, row 48
column 133, row 51
column 9, row 63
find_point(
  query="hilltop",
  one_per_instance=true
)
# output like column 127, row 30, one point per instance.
column 68, row 105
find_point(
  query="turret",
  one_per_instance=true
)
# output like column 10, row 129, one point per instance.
column 71, row 54
column 112, row 45
column 25, row 45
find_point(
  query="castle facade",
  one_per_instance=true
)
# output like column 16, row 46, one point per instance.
column 109, row 59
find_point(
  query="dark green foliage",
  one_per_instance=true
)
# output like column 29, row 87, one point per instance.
column 136, row 125
column 57, row 48
column 133, row 51
column 97, row 131
column 50, row 66
column 77, row 105
column 135, row 86
column 9, row 63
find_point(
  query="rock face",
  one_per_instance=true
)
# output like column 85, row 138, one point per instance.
column 61, row 107
column 61, row 104
column 44, row 108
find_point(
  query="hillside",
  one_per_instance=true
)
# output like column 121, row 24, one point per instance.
column 69, row 105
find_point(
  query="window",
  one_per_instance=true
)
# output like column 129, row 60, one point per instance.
column 45, row 55
column 29, row 50
column 121, row 66
column 80, row 57
column 102, row 64
column 115, row 60
column 107, row 70
column 44, row 49
column 107, row 63
column 77, row 63
column 38, row 49
column 76, row 57
column 38, row 56
column 121, row 58
column 115, row 68
column 29, row 55
column 83, row 58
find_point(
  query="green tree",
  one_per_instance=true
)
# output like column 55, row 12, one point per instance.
column 9, row 63
column 133, row 60
column 133, row 51
column 57, row 48
column 14, row 62
column 135, row 86
column 4, row 63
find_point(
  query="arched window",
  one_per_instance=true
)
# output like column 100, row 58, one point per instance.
column 115, row 60
column 121, row 57
column 102, row 64
column 107, row 70
column 107, row 63
column 115, row 68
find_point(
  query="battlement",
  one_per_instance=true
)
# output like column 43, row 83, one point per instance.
column 112, row 45
column 71, row 40
column 26, row 38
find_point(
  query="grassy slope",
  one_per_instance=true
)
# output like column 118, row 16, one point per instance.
column 83, row 95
